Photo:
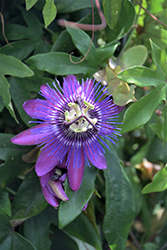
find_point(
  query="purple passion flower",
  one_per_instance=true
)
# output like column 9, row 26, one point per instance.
column 72, row 120
column 52, row 185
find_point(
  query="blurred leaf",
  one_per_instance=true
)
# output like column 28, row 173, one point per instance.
column 11, row 154
column 135, row 55
column 82, row 229
column 123, row 94
column 136, row 187
column 5, row 205
column 29, row 200
column 119, row 202
column 77, row 200
column 14, row 67
column 1, row 104
column 112, row 11
column 123, row 24
column 49, row 12
column 157, row 151
column 159, row 182
column 30, row 3
column 9, row 239
column 149, row 246
column 161, row 129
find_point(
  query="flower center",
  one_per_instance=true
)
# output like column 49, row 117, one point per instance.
column 78, row 117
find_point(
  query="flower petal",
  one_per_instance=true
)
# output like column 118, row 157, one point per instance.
column 70, row 85
column 95, row 157
column 45, row 178
column 45, row 162
column 57, row 188
column 32, row 135
column 39, row 109
column 76, row 168
column 51, row 199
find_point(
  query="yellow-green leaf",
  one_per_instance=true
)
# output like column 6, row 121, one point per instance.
column 49, row 12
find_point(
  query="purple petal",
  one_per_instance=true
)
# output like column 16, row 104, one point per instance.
column 76, row 168
column 57, row 188
column 51, row 199
column 31, row 136
column 70, row 85
column 38, row 109
column 45, row 162
column 96, row 158
column 45, row 178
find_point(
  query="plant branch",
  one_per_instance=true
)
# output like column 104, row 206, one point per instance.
column 151, row 15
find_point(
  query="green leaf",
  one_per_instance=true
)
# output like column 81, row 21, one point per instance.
column 62, row 241
column 5, row 205
column 119, row 202
column 30, row 3
column 77, row 36
column 149, row 246
column 42, row 221
column 20, row 95
column 14, row 67
column 135, row 55
column 95, row 56
column 65, row 6
column 123, row 24
column 112, row 11
column 29, row 200
column 159, row 182
column 82, row 229
column 161, row 129
column 20, row 49
column 11, row 155
column 9, row 239
column 59, row 63
column 123, row 94
column 77, row 200
column 140, row 112
column 49, row 12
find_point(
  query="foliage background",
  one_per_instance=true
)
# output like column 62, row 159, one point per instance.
column 120, row 214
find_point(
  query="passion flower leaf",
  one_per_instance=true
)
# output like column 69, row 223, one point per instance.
column 49, row 12
column 141, row 111
column 30, row 4
column 119, row 202
column 14, row 67
column 77, row 200
column 123, row 94
column 159, row 182
column 135, row 55
column 9, row 239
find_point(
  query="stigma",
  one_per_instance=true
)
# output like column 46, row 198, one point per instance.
column 78, row 117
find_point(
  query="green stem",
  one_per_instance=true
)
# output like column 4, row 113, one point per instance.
column 10, row 190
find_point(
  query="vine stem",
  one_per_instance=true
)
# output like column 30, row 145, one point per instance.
column 3, row 30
